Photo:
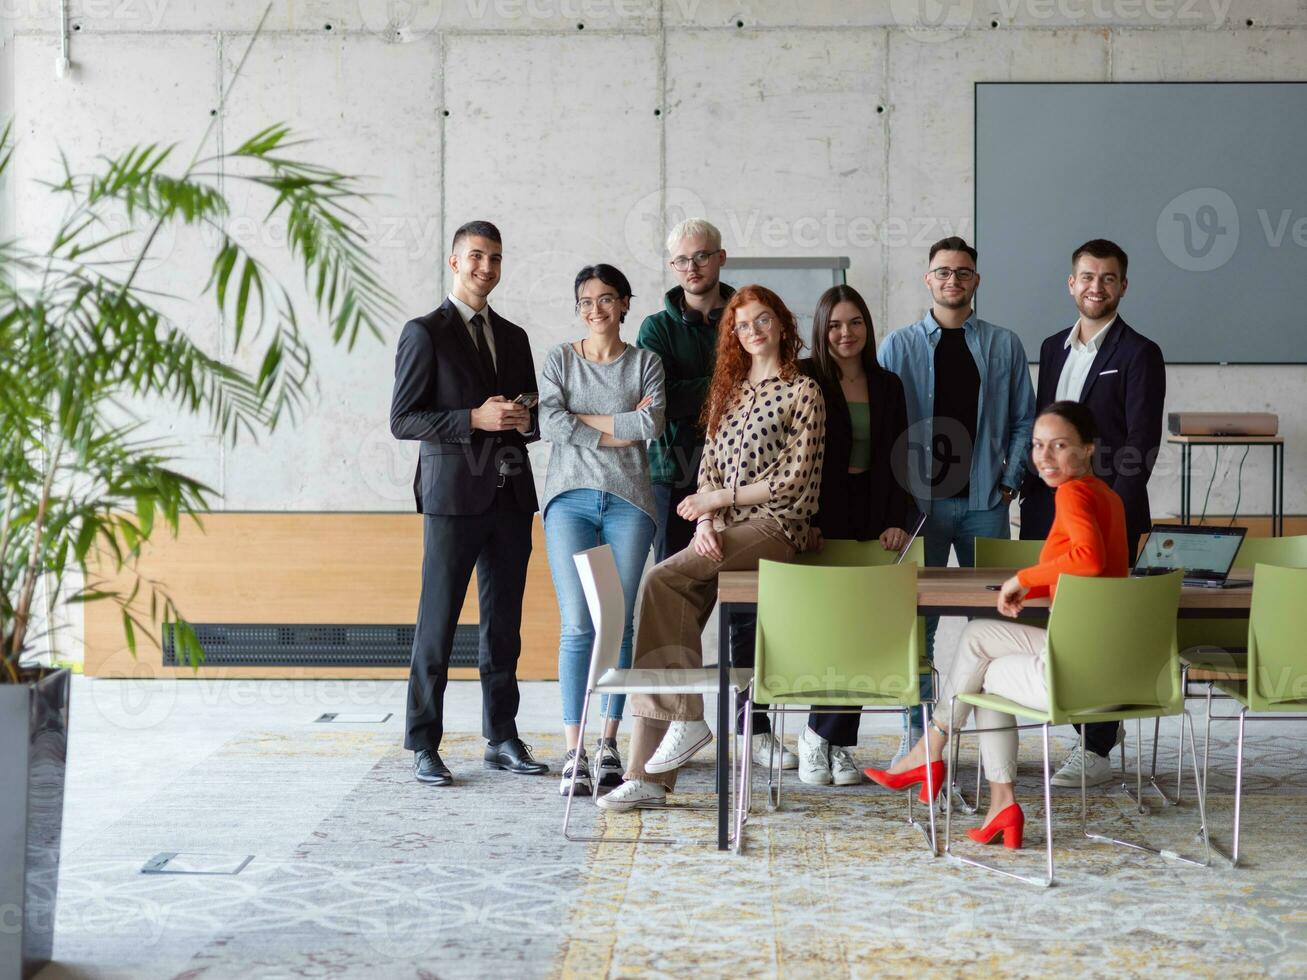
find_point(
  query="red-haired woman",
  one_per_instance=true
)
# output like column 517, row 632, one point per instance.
column 759, row 483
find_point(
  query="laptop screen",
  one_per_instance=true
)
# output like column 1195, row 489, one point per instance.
column 1203, row 552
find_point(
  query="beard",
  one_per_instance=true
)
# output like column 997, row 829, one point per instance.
column 1097, row 311
column 954, row 303
column 703, row 287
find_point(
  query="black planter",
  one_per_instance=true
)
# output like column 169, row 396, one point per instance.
column 33, row 750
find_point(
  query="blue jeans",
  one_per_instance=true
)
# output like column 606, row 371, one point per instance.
column 574, row 521
column 951, row 524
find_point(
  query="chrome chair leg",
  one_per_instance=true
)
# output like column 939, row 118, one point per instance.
column 930, row 834
column 571, row 793
column 775, row 760
column 1132, row 845
column 1048, row 880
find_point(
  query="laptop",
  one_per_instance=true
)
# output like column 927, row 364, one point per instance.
column 903, row 552
column 1204, row 554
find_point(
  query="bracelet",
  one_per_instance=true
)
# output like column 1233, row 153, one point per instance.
column 702, row 520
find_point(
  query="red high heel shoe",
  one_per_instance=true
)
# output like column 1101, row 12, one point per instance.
column 1009, row 822
column 909, row 778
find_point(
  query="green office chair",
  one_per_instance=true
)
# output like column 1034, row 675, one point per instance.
column 847, row 553
column 840, row 636
column 1006, row 553
column 1276, row 676
column 1092, row 662
column 1216, row 649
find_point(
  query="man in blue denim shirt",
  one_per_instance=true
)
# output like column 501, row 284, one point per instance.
column 971, row 408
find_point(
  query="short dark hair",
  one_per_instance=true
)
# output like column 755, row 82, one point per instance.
column 609, row 275
column 952, row 244
column 481, row 229
column 1081, row 419
column 1101, row 248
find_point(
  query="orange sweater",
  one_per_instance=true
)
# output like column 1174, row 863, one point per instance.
column 1087, row 537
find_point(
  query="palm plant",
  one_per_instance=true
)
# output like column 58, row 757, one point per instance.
column 83, row 339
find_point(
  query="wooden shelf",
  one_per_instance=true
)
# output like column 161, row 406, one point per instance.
column 304, row 568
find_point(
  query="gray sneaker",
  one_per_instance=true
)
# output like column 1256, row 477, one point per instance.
column 843, row 771
column 1098, row 770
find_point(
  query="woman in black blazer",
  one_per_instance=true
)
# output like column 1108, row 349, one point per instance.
column 864, row 476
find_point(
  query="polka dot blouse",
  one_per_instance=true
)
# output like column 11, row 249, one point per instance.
column 774, row 432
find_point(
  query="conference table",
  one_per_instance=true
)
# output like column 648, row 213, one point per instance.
column 940, row 592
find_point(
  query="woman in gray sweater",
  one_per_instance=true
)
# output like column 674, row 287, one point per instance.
column 601, row 400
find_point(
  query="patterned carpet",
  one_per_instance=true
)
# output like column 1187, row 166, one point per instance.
column 402, row 880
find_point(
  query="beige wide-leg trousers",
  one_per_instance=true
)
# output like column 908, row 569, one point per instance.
column 676, row 600
column 1000, row 658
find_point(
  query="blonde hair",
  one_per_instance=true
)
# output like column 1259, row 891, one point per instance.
column 691, row 228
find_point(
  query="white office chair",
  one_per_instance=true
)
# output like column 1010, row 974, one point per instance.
column 603, row 595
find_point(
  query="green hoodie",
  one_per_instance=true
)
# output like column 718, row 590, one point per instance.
column 688, row 352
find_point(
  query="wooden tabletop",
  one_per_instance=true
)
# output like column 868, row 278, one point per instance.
column 1225, row 440
column 953, row 588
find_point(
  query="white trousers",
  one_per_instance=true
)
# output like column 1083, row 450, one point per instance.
column 1002, row 658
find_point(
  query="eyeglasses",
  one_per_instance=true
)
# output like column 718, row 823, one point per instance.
column 944, row 273
column 587, row 305
column 682, row 262
column 763, row 324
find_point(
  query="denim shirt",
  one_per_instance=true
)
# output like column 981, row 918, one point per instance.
column 1004, row 417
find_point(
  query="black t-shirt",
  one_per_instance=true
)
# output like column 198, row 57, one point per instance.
column 957, row 393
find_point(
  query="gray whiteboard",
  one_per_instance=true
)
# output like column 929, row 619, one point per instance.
column 798, row 281
column 1203, row 184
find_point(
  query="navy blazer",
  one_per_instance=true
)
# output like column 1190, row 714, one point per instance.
column 1125, row 391
column 439, row 379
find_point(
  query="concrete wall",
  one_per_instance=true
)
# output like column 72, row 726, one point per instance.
column 584, row 127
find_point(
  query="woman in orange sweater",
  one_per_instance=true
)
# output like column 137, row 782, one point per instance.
column 1088, row 537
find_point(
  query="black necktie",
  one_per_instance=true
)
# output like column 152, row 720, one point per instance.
column 483, row 345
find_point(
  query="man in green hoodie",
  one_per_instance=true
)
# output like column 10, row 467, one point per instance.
column 684, row 335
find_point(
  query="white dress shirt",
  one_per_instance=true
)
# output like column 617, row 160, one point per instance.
column 467, row 313
column 1075, row 372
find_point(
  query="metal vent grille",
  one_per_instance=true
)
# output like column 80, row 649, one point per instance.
column 313, row 645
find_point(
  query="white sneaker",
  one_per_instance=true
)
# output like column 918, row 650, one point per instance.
column 1097, row 769
column 842, row 769
column 683, row 740
column 814, row 758
column 762, row 746
column 634, row 793
column 906, row 741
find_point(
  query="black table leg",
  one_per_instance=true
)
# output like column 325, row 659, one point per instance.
column 1277, row 478
column 1184, row 483
column 724, row 722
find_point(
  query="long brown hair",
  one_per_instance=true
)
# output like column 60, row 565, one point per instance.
column 822, row 358
column 733, row 361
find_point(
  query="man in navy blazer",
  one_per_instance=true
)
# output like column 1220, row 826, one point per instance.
column 457, row 371
column 1120, row 375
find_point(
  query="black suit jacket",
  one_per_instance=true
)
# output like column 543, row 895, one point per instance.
column 891, row 504
column 438, row 381
column 1124, row 391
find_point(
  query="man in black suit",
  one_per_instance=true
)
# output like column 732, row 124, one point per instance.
column 457, row 371
column 1120, row 375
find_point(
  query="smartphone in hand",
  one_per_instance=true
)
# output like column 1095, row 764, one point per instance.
column 528, row 399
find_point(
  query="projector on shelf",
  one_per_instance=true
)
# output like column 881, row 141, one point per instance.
column 1223, row 423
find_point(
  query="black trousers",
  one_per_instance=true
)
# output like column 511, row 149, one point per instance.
column 498, row 545
column 672, row 532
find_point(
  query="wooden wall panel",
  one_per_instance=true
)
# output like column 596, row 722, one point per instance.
column 304, row 568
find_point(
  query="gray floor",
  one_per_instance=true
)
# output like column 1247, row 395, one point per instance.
column 359, row 871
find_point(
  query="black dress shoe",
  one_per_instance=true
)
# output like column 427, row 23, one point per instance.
column 514, row 756
column 427, row 768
